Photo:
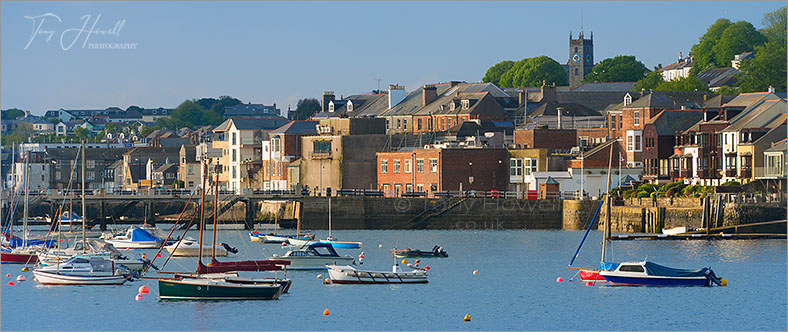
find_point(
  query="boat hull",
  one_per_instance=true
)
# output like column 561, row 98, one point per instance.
column 49, row 278
column 194, row 252
column 655, row 281
column 204, row 289
column 349, row 275
column 591, row 275
column 277, row 238
column 123, row 244
column 335, row 244
column 18, row 258
column 313, row 263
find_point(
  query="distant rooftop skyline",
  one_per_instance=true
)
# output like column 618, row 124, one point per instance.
column 158, row 54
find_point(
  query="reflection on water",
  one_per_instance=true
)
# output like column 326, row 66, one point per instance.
column 515, row 289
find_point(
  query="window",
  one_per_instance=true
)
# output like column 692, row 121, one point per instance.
column 191, row 184
column 443, row 124
column 420, row 165
column 384, row 166
column 399, row 123
column 433, row 165
column 90, row 164
column 634, row 141
column 452, row 106
column 529, row 165
column 234, row 140
column 418, row 124
column 420, row 188
column 191, row 169
column 234, row 170
column 350, row 106
column 466, row 104
column 57, row 175
column 630, row 268
column 396, row 165
column 408, row 187
column 408, row 166
column 90, row 175
column 576, row 71
column 515, row 167
column 235, row 154
column 275, row 144
column 636, row 118
column 397, row 189
column 627, row 99
column 404, row 124
column 170, row 175
column 321, row 147
column 331, row 106
column 620, row 121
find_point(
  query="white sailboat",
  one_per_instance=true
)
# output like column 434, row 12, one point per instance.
column 83, row 270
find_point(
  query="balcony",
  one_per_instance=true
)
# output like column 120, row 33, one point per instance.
column 321, row 155
column 731, row 173
column 746, row 173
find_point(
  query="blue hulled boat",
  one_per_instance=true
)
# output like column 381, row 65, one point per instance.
column 650, row 274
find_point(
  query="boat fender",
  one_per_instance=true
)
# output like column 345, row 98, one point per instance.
column 467, row 318
column 229, row 248
column 723, row 282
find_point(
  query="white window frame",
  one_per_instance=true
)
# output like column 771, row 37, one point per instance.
column 434, row 165
column 396, row 166
column 384, row 166
column 634, row 141
column 408, row 166
column 636, row 118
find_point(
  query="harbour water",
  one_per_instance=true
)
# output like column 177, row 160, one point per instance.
column 515, row 289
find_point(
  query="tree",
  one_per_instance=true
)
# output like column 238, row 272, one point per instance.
column 111, row 128
column 494, row 73
column 191, row 114
column 534, row 71
column 222, row 102
column 728, row 90
column 683, row 84
column 20, row 134
column 737, row 38
column 623, row 68
column 775, row 25
column 145, row 131
column 82, row 133
column 702, row 52
column 12, row 114
column 650, row 82
column 767, row 68
column 306, row 108
column 133, row 108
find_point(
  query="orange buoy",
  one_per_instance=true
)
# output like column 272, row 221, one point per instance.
column 325, row 312
column 475, row 272
column 7, row 274
column 418, row 261
column 559, row 279
column 404, row 261
column 143, row 290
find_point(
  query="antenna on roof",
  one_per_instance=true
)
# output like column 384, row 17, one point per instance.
column 378, row 79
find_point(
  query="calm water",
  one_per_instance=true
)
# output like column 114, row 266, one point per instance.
column 515, row 289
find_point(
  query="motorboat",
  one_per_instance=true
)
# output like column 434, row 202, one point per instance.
column 650, row 274
column 437, row 251
column 277, row 238
column 189, row 247
column 346, row 274
column 136, row 238
column 28, row 255
column 94, row 248
column 334, row 243
column 677, row 230
column 313, row 257
column 83, row 271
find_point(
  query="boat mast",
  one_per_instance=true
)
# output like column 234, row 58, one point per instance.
column 329, row 217
column 298, row 220
column 215, row 211
column 27, row 200
column 84, row 215
column 606, row 232
column 202, row 214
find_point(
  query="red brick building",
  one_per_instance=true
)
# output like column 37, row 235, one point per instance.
column 559, row 138
column 442, row 169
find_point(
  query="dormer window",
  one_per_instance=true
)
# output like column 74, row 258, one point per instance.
column 350, row 106
column 466, row 104
column 331, row 106
column 627, row 100
column 451, row 106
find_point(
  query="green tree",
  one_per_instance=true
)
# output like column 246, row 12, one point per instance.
column 222, row 102
column 306, row 108
column 728, row 90
column 737, row 38
column 650, row 82
column 767, row 68
column 12, row 114
column 145, row 131
column 683, row 84
column 703, row 51
column 133, row 108
column 533, row 71
column 494, row 73
column 775, row 25
column 191, row 114
column 20, row 134
column 622, row 68
column 81, row 133
column 111, row 128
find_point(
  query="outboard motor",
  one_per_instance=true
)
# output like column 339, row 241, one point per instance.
column 229, row 248
column 712, row 278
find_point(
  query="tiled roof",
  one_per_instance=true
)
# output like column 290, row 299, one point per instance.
column 669, row 122
column 718, row 101
column 779, row 146
column 297, row 128
column 717, row 77
column 760, row 116
column 604, row 87
column 570, row 109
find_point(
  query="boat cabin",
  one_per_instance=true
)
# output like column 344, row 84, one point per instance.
column 318, row 249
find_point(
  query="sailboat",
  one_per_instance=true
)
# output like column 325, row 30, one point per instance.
column 210, row 283
column 23, row 254
column 592, row 274
column 330, row 239
column 275, row 237
column 83, row 270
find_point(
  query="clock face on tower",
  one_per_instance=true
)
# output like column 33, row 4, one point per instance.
column 588, row 57
column 576, row 58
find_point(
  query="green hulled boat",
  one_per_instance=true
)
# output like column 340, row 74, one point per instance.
column 213, row 289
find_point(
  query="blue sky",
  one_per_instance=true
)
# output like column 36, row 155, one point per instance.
column 267, row 52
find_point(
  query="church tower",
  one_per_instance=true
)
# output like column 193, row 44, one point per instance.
column 581, row 58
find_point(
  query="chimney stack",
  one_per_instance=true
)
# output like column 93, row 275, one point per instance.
column 328, row 96
column 771, row 89
column 396, row 94
column 559, row 110
column 548, row 92
column 523, row 97
column 428, row 94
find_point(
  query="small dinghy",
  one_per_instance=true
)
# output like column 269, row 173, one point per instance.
column 346, row 274
column 437, row 251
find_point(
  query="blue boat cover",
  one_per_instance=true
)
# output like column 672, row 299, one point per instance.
column 659, row 270
column 605, row 266
column 139, row 234
column 15, row 242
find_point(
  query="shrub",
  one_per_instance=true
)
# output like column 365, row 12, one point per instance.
column 669, row 193
column 731, row 183
column 642, row 194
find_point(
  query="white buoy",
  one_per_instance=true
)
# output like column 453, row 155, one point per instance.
column 319, row 276
column 380, row 246
column 21, row 278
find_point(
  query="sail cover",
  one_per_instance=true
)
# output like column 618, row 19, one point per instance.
column 659, row 270
column 139, row 234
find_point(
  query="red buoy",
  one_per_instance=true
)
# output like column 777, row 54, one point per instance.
column 143, row 290
column 559, row 279
column 589, row 283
